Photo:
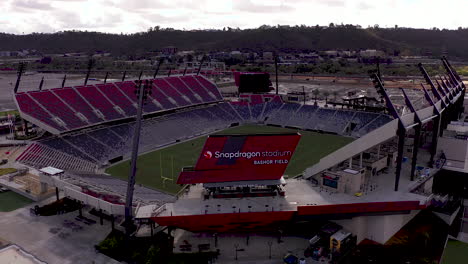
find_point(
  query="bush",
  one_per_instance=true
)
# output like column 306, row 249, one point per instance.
column 113, row 245
column 65, row 205
column 153, row 255
column 147, row 250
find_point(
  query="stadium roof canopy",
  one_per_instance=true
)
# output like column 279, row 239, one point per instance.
column 51, row 170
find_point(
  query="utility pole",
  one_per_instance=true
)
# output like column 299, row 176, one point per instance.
column 143, row 89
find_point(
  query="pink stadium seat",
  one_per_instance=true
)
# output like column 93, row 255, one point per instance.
column 73, row 99
column 161, row 98
column 99, row 102
column 196, row 87
column 21, row 156
column 71, row 108
column 256, row 99
column 169, row 91
column 129, row 89
column 182, row 88
column 209, row 85
column 58, row 108
column 30, row 107
column 116, row 96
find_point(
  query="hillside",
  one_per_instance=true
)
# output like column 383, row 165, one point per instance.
column 401, row 40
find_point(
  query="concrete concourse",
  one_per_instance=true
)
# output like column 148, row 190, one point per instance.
column 48, row 239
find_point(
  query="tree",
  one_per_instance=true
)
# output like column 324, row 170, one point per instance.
column 335, row 94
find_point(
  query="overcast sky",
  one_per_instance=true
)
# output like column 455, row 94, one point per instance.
column 130, row 16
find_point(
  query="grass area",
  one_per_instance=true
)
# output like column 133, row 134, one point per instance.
column 10, row 201
column 4, row 171
column 456, row 252
column 169, row 161
column 5, row 113
column 462, row 70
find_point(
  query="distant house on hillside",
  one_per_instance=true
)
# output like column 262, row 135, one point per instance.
column 371, row 53
column 346, row 53
column 5, row 53
column 169, row 50
column 331, row 53
column 268, row 55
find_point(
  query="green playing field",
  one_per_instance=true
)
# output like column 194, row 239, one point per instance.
column 456, row 252
column 160, row 169
column 10, row 201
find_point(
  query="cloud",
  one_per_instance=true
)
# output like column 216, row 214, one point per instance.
column 332, row 3
column 25, row 5
column 71, row 20
column 364, row 6
column 137, row 15
column 156, row 19
column 252, row 7
column 141, row 5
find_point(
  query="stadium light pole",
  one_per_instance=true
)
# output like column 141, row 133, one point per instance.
column 303, row 94
column 21, row 69
column 123, row 75
column 201, row 64
column 41, row 83
column 142, row 91
column 105, row 78
column 63, row 81
column 276, row 73
column 157, row 68
column 90, row 66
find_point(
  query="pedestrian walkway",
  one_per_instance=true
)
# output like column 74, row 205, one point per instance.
column 241, row 248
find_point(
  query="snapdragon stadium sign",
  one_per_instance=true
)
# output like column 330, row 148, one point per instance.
column 227, row 158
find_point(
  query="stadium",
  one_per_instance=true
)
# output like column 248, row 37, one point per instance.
column 367, row 167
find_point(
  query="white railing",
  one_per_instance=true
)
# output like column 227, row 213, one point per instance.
column 159, row 210
column 361, row 144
